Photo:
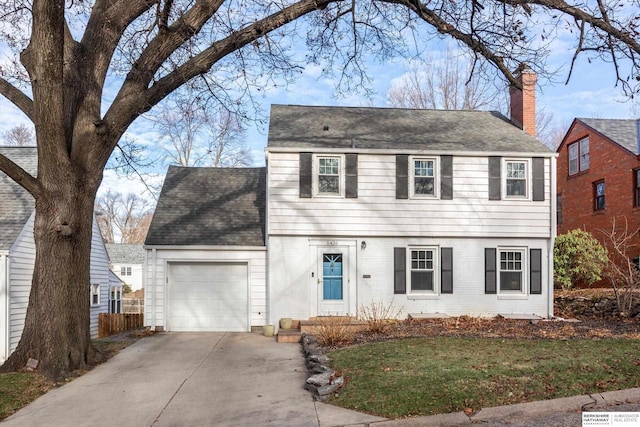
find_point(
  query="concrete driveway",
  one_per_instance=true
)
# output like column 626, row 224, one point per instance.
column 190, row 379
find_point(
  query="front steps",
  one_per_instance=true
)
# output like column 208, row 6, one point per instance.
column 294, row 335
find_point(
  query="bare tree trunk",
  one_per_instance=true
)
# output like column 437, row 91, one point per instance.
column 56, row 330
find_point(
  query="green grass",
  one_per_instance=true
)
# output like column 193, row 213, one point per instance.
column 18, row 389
column 439, row 375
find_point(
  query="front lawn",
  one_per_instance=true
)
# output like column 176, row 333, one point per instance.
column 434, row 375
column 18, row 389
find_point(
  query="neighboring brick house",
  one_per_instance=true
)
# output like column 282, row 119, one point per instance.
column 599, row 177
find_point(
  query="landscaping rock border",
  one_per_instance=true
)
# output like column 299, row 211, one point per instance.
column 322, row 381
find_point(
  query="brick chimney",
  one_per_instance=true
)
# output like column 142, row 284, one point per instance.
column 523, row 102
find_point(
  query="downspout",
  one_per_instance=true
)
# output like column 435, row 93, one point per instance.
column 153, row 287
column 552, row 238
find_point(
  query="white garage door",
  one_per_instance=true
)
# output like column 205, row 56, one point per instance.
column 207, row 297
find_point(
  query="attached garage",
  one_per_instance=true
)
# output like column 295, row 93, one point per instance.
column 205, row 258
column 207, row 297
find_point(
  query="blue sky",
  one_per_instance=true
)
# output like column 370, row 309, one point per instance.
column 590, row 93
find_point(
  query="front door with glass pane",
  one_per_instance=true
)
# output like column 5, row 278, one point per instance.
column 332, row 291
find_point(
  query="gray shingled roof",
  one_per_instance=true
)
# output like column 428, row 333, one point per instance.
column 621, row 131
column 293, row 126
column 122, row 253
column 210, row 206
column 16, row 204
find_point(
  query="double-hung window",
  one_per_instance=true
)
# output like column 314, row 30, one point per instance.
column 512, row 267
column 423, row 270
column 516, row 179
column 579, row 156
column 329, row 176
column 424, row 178
column 125, row 271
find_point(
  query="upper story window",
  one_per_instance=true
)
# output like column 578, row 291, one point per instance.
column 329, row 176
column 125, row 271
column 516, row 178
column 598, row 193
column 636, row 187
column 424, row 177
column 579, row 156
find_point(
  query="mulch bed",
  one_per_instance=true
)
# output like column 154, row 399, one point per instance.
column 584, row 307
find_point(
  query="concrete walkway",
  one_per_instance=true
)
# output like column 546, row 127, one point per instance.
column 241, row 379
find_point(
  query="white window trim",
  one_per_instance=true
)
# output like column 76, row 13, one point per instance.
column 528, row 184
column 95, row 287
column 419, row 294
column 436, row 177
column 523, row 293
column 315, row 174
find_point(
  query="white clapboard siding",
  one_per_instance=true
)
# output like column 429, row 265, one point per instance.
column 99, row 275
column 376, row 211
column 156, row 278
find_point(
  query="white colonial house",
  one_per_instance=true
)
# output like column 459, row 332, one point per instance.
column 17, row 256
column 433, row 212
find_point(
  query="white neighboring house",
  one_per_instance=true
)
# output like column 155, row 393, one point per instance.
column 434, row 212
column 17, row 256
column 126, row 262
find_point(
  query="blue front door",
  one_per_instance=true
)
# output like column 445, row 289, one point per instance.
column 332, row 277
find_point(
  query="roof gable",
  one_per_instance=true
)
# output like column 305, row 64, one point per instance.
column 17, row 204
column 623, row 132
column 210, row 206
column 294, row 126
column 122, row 253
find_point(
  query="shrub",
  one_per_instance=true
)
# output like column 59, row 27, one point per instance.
column 378, row 316
column 333, row 330
column 579, row 259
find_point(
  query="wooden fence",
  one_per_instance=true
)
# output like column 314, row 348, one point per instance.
column 110, row 324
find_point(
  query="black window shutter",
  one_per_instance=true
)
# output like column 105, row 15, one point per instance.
column 446, row 270
column 305, row 175
column 538, row 179
column 489, row 271
column 351, row 184
column 402, row 176
column 535, row 260
column 446, row 177
column 494, row 178
column 399, row 270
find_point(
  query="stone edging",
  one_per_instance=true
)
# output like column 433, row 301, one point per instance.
column 322, row 380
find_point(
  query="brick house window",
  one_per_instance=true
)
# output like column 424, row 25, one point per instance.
column 598, row 192
column 559, row 208
column 636, row 187
column 579, row 156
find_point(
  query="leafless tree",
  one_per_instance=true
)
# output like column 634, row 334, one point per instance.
column 201, row 135
column 21, row 135
column 67, row 52
column 548, row 129
column 123, row 218
column 448, row 84
column 621, row 271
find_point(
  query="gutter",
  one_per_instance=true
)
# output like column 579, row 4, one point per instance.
column 553, row 231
